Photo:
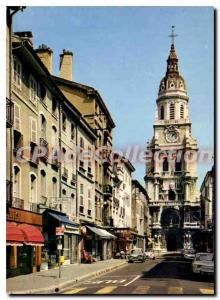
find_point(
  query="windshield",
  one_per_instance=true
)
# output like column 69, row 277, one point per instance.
column 205, row 257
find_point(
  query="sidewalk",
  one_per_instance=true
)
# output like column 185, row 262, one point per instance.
column 46, row 282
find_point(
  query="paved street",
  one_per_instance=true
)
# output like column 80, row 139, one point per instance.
column 168, row 275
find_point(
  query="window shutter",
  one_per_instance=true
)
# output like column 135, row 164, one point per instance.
column 17, row 119
column 33, row 127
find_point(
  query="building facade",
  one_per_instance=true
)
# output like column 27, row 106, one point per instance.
column 140, row 213
column 122, row 226
column 207, row 198
column 92, row 107
column 171, row 170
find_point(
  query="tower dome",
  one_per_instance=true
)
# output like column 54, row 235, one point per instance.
column 172, row 81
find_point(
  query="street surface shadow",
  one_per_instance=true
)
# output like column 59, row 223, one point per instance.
column 173, row 267
column 51, row 276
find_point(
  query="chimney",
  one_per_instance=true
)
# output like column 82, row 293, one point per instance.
column 45, row 54
column 66, row 64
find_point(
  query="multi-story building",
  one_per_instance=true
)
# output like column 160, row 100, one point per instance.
column 207, row 198
column 140, row 213
column 122, row 204
column 45, row 160
column 92, row 107
column 171, row 171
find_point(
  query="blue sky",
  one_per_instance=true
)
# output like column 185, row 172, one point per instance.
column 122, row 52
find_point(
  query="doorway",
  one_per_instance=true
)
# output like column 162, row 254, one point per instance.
column 172, row 240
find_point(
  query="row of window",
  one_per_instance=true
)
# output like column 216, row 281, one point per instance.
column 178, row 165
column 36, row 90
column 171, row 112
column 33, row 185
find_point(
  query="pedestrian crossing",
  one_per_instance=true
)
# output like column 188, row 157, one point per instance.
column 142, row 289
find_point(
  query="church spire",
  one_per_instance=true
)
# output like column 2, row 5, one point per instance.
column 172, row 80
column 172, row 61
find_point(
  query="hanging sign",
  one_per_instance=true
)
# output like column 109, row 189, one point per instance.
column 59, row 230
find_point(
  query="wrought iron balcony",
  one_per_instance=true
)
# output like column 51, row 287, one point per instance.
column 18, row 203
column 9, row 112
column 43, row 147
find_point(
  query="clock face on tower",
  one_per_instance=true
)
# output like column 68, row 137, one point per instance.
column 171, row 134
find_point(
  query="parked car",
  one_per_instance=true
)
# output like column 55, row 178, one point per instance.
column 149, row 254
column 136, row 255
column 203, row 263
column 189, row 253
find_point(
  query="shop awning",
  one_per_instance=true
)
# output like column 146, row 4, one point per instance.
column 32, row 235
column 63, row 219
column 14, row 236
column 101, row 232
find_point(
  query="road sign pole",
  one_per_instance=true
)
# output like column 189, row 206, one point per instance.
column 59, row 234
column 60, row 237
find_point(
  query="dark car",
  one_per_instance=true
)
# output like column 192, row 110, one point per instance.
column 136, row 255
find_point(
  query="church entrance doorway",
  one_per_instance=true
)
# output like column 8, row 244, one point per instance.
column 172, row 240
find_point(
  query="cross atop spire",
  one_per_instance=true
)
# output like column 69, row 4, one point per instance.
column 173, row 35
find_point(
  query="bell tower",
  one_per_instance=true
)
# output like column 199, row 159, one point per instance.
column 171, row 171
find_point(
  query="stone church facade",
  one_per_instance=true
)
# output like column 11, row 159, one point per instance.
column 171, row 166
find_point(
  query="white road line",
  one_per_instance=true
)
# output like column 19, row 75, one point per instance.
column 133, row 280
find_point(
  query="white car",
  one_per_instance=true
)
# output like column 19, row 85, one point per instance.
column 150, row 255
column 203, row 263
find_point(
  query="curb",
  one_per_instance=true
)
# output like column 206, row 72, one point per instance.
column 61, row 286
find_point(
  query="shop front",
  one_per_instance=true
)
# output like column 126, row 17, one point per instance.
column 70, row 239
column 24, row 242
column 126, row 240
column 97, row 242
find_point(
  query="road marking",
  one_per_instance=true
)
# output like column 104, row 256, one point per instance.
column 207, row 291
column 75, row 291
column 106, row 290
column 105, row 281
column 175, row 290
column 133, row 280
column 141, row 290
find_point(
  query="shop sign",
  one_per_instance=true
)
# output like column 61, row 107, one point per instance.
column 59, row 230
column 22, row 216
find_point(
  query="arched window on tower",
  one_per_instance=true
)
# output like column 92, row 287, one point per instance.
column 181, row 111
column 165, row 165
column 162, row 112
column 172, row 111
column 178, row 166
column 171, row 195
